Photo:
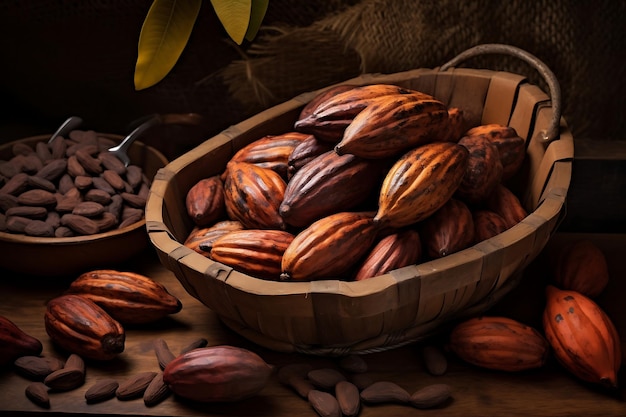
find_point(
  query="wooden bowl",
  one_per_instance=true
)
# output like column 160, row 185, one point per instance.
column 337, row 317
column 67, row 256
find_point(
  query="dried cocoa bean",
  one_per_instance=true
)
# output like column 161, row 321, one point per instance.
column 348, row 398
column 9, row 169
column 111, row 162
column 325, row 378
column 37, row 392
column 7, row 201
column 21, row 148
column 83, row 182
column 32, row 212
column 105, row 221
column 134, row 175
column 65, row 379
column 434, row 360
column 53, row 219
column 133, row 200
column 91, row 164
column 58, row 147
column 43, row 151
column 385, row 392
column 101, row 184
column 156, row 391
column 134, row 386
column 116, row 206
column 101, row 390
column 79, row 224
column 88, row 209
column 74, row 168
column 362, row 380
column 324, row 404
column 16, row 185
column 37, row 197
column 63, row 231
column 42, row 183
column 114, row 179
column 53, row 170
column 36, row 368
column 39, row 228
column 163, row 353
column 65, row 184
column 31, row 163
column 353, row 363
column 431, row 396
column 98, row 196
column 17, row 224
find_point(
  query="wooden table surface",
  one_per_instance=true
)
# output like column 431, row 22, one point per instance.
column 550, row 391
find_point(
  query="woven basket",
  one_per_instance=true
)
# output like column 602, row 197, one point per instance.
column 333, row 317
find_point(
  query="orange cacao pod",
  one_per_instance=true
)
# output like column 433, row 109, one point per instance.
column 253, row 195
column 328, row 184
column 456, row 125
column 80, row 326
column 15, row 342
column 321, row 97
column 305, row 152
column 217, row 374
column 499, row 343
column 483, row 170
column 394, row 124
column 272, row 151
column 329, row 120
column 511, row 147
column 448, row 230
column 128, row 297
column 205, row 201
column 582, row 336
column 394, row 251
column 255, row 252
column 329, row 247
column 503, row 202
column 420, row 182
column 581, row 266
column 487, row 224
column 201, row 239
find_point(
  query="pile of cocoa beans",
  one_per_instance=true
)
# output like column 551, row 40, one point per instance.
column 70, row 187
column 371, row 178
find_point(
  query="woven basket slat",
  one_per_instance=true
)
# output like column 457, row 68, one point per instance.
column 501, row 96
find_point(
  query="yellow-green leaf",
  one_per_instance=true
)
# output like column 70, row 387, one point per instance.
column 259, row 7
column 164, row 35
column 235, row 17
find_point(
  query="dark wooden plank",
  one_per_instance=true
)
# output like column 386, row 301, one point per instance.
column 547, row 392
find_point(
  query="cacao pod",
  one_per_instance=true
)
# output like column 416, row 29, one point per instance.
column 80, row 326
column 392, row 125
column 255, row 252
column 205, row 201
column 128, row 297
column 483, row 170
column 328, row 184
column 420, row 182
column 272, row 151
column 201, row 239
column 499, row 343
column 15, row 342
column 487, row 224
column 217, row 374
column 305, row 152
column 329, row 247
column 448, row 230
column 394, row 251
column 581, row 266
column 511, row 147
column 321, row 97
column 456, row 125
column 582, row 336
column 253, row 196
column 503, row 202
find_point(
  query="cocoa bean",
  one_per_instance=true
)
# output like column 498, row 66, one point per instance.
column 58, row 147
column 36, row 368
column 324, row 404
column 101, row 390
column 37, row 197
column 133, row 200
column 163, row 353
column 156, row 391
column 65, row 184
column 32, row 212
column 348, row 397
column 434, row 360
column 53, row 170
column 42, row 183
column 16, row 185
column 353, row 363
column 79, row 224
column 98, row 196
column 362, row 380
column 114, row 179
column 135, row 386
column 53, row 219
column 37, row 392
column 88, row 209
column 134, row 175
column 9, row 169
column 105, row 221
column 83, row 182
column 43, row 151
column 111, row 162
column 325, row 378
column 101, row 184
column 31, row 163
column 7, row 201
column 39, row 228
column 65, row 379
column 91, row 164
column 385, row 392
column 63, row 231
column 21, row 148
column 130, row 220
column 17, row 224
column 431, row 396
column 74, row 168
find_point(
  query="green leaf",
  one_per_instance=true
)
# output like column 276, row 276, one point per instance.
column 235, row 17
column 164, row 35
column 259, row 7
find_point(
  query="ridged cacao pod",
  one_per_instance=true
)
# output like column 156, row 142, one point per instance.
column 321, row 97
column 503, row 202
column 582, row 336
column 456, row 125
column 393, row 251
column 255, row 252
column 128, row 297
column 511, row 147
column 205, row 201
column 253, row 196
column 420, row 182
column 448, row 230
column 487, row 224
column 201, row 239
column 271, row 152
column 15, row 342
column 483, row 170
column 305, row 152
column 80, row 326
column 329, row 247
column 217, row 374
column 329, row 120
column 328, row 184
column 394, row 124
column 581, row 266
column 499, row 343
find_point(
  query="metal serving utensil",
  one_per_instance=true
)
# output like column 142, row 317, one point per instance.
column 121, row 150
column 70, row 124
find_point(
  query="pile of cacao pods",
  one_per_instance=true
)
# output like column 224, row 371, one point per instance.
column 575, row 328
column 371, row 178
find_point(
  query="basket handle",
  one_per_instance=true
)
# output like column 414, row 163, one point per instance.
column 553, row 130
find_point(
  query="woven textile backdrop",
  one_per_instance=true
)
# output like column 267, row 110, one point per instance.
column 67, row 57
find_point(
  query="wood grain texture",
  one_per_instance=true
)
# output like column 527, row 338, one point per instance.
column 549, row 391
